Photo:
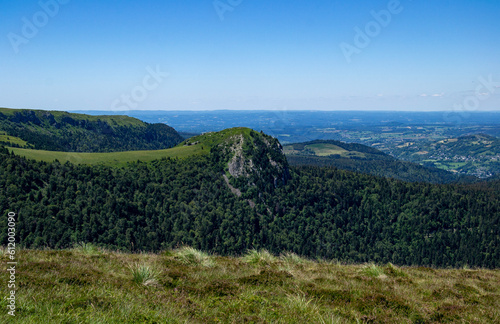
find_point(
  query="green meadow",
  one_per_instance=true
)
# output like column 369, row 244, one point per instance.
column 114, row 158
column 87, row 284
column 4, row 138
column 322, row 149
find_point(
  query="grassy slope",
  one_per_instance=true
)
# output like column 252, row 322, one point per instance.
column 198, row 145
column 323, row 149
column 87, row 285
column 115, row 158
column 332, row 147
column 4, row 138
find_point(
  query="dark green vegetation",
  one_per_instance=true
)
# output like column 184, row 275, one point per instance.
column 62, row 131
column 239, row 193
column 86, row 284
column 364, row 159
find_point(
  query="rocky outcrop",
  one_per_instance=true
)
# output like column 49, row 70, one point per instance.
column 254, row 160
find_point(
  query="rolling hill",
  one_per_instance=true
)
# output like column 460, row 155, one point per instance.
column 68, row 132
column 198, row 145
column 365, row 159
column 477, row 154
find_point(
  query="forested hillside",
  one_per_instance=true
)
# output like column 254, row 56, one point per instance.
column 365, row 159
column 62, row 131
column 242, row 195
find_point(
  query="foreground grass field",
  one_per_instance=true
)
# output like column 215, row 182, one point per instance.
column 90, row 285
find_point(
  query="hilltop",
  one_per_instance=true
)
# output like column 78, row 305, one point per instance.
column 69, row 132
column 241, row 149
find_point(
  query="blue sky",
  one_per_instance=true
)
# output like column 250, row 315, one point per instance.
column 250, row 54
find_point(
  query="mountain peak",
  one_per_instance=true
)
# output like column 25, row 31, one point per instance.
column 249, row 159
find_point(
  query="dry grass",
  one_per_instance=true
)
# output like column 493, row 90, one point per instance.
column 181, row 286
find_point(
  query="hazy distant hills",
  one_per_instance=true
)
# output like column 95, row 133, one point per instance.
column 364, row 159
column 62, row 131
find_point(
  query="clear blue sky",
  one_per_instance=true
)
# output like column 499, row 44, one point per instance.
column 263, row 54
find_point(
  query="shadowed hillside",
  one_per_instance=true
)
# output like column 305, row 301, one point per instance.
column 68, row 132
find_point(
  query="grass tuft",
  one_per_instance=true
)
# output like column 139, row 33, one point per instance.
column 193, row 257
column 262, row 257
column 302, row 304
column 392, row 270
column 372, row 270
column 293, row 259
column 88, row 248
column 143, row 274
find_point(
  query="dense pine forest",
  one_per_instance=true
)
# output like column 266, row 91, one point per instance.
column 315, row 212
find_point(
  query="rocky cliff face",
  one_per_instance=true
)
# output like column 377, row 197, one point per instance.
column 254, row 160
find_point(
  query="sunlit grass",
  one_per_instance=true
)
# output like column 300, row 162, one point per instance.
column 81, row 285
column 372, row 270
column 193, row 257
column 144, row 274
column 87, row 248
column 261, row 257
column 294, row 259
